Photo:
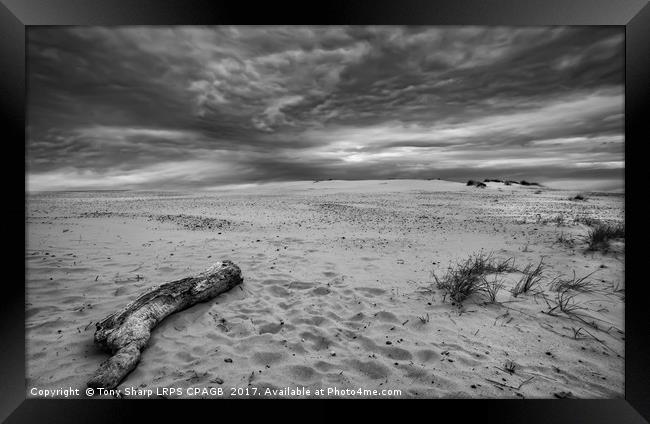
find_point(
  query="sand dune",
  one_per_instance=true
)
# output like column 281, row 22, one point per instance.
column 337, row 288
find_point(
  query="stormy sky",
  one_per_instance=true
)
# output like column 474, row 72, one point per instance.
column 199, row 107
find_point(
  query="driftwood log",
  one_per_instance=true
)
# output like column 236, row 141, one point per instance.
column 125, row 333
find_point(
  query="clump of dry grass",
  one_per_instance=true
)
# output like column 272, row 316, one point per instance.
column 486, row 264
column 558, row 220
column 564, row 240
column 505, row 266
column 491, row 288
column 510, row 366
column 565, row 302
column 586, row 220
column 460, row 281
column 530, row 279
column 576, row 284
column 467, row 278
column 600, row 234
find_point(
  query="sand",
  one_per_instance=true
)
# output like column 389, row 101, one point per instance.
column 337, row 291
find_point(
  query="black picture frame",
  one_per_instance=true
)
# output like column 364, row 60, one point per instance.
column 634, row 15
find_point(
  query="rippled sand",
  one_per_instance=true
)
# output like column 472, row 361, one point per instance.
column 337, row 288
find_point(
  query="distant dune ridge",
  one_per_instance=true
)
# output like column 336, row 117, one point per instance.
column 506, row 182
column 426, row 288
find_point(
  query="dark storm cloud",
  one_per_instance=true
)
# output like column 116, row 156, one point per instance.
column 158, row 107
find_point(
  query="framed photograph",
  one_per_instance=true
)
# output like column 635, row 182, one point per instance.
column 379, row 200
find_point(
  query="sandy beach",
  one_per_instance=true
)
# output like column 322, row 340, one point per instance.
column 338, row 289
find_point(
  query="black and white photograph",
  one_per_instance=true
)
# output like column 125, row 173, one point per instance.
column 285, row 212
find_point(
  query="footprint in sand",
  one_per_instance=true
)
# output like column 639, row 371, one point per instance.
column 316, row 321
column 394, row 352
column 427, row 355
column 286, row 306
column 271, row 328
column 302, row 373
column 267, row 358
column 185, row 356
column 278, row 291
column 416, row 373
column 320, row 291
column 386, row 316
column 323, row 366
column 371, row 291
column 301, row 285
column 371, row 369
column 320, row 342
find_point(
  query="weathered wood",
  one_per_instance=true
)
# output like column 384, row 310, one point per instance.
column 125, row 333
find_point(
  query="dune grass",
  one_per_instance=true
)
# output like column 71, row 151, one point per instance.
column 565, row 240
column 558, row 220
column 467, row 277
column 510, row 366
column 600, row 234
column 460, row 281
column 491, row 289
column 576, row 284
column 565, row 302
column 530, row 279
column 587, row 220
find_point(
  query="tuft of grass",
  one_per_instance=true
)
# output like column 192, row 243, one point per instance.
column 576, row 332
column 586, row 220
column 530, row 279
column 491, row 288
column 510, row 366
column 424, row 320
column 600, row 234
column 487, row 264
column 503, row 266
column 563, row 239
column 574, row 284
column 467, row 278
column 565, row 302
column 558, row 220
column 460, row 282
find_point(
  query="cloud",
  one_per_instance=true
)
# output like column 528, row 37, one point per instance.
column 114, row 107
column 273, row 114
